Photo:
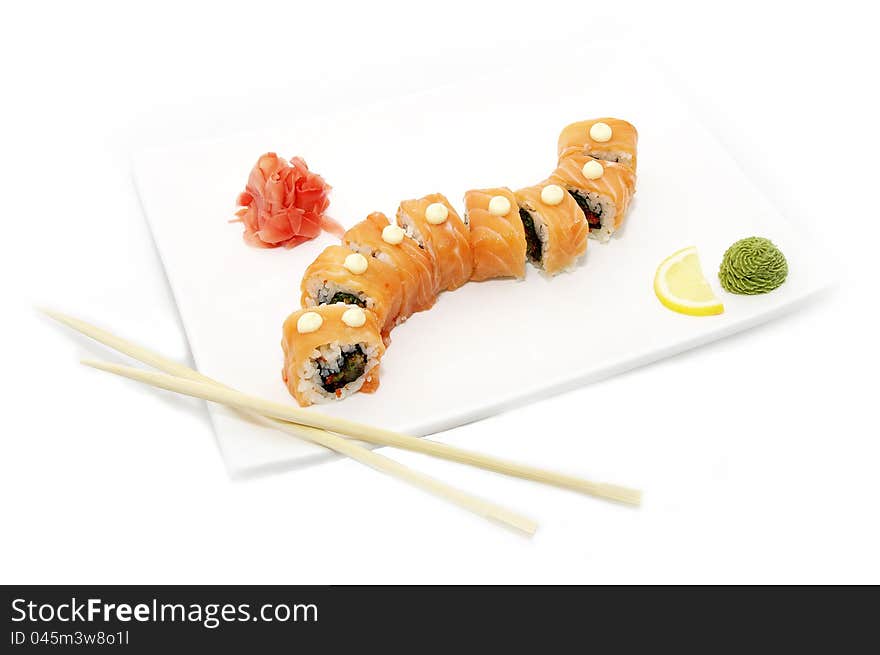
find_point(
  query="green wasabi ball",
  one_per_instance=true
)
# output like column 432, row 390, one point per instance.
column 752, row 266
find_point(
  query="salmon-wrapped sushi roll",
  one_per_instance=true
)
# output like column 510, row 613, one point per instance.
column 498, row 239
column 331, row 352
column 611, row 139
column 377, row 237
column 602, row 189
column 340, row 275
column 555, row 227
column 436, row 226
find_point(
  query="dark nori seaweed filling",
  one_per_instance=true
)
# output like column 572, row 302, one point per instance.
column 353, row 364
column 348, row 299
column 534, row 247
column 593, row 218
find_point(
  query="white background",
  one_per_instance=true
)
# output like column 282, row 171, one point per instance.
column 758, row 454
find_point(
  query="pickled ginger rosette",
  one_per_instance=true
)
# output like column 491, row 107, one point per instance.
column 283, row 204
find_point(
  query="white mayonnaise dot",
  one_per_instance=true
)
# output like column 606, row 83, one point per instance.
column 593, row 170
column 600, row 132
column 393, row 234
column 356, row 263
column 309, row 322
column 436, row 213
column 552, row 194
column 499, row 206
column 354, row 317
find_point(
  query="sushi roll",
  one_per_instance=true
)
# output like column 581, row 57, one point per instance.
column 339, row 275
column 436, row 226
column 611, row 139
column 555, row 227
column 377, row 237
column 331, row 352
column 497, row 235
column 602, row 189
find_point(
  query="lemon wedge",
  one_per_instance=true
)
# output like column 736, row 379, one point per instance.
column 680, row 285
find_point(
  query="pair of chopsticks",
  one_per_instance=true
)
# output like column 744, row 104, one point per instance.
column 325, row 430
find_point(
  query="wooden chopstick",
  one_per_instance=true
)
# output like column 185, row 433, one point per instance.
column 370, row 434
column 323, row 438
column 364, row 433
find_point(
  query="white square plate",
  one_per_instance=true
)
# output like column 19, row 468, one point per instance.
column 487, row 346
